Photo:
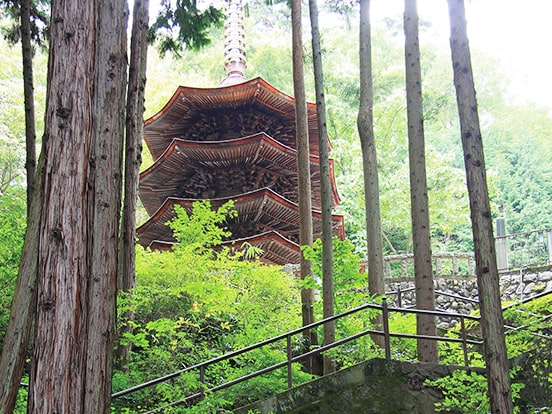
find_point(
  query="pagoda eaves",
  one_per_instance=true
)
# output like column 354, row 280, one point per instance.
column 258, row 160
column 263, row 210
column 233, row 142
column 275, row 247
column 221, row 113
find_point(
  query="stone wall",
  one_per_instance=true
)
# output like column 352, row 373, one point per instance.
column 459, row 293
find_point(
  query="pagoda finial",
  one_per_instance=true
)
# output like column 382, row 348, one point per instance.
column 234, row 44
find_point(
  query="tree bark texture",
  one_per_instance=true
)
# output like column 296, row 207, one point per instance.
column 325, row 187
column 423, row 271
column 365, row 125
column 133, row 158
column 79, row 221
column 492, row 324
column 303, row 168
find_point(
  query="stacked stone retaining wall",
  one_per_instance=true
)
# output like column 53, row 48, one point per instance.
column 459, row 293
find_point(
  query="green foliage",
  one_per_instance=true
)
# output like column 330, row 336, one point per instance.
column 529, row 350
column 12, row 233
column 194, row 304
column 350, row 290
column 203, row 228
column 21, row 401
column 39, row 14
column 466, row 392
column 349, row 282
column 529, row 345
column 183, row 25
column 12, row 115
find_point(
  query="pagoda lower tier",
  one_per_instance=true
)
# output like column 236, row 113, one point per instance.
column 259, row 212
column 276, row 249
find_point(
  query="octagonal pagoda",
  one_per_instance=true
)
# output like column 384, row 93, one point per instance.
column 232, row 142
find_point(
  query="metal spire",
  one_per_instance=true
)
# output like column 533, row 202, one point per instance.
column 234, row 44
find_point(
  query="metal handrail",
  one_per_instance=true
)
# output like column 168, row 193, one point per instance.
column 384, row 308
column 529, row 299
column 385, row 332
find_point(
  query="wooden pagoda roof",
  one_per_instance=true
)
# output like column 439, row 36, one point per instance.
column 276, row 248
column 261, row 210
column 221, row 113
column 186, row 168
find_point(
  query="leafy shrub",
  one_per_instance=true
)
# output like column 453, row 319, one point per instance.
column 465, row 392
column 12, row 233
column 196, row 303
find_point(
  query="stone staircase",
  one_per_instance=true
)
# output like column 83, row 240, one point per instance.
column 376, row 386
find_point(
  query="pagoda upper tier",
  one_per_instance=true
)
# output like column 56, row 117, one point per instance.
column 220, row 114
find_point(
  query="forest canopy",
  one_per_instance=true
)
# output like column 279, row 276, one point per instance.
column 516, row 134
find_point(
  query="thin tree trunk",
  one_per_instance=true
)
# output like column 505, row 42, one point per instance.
column 79, row 219
column 423, row 271
column 28, row 92
column 133, row 159
column 365, row 124
column 492, row 324
column 303, row 171
column 16, row 341
column 325, row 188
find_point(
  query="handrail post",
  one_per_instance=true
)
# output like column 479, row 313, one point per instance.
column 202, row 380
column 549, row 239
column 455, row 269
column 289, row 356
column 464, row 341
column 501, row 244
column 385, row 317
column 399, row 296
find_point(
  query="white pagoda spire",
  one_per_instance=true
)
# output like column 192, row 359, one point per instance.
column 234, row 44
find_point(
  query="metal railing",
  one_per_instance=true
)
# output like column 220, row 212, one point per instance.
column 385, row 311
column 510, row 329
column 444, row 264
column 514, row 251
column 399, row 292
column 526, row 249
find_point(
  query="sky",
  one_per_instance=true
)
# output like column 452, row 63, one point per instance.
column 517, row 33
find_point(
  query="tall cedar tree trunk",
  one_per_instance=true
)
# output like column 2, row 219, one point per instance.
column 325, row 187
column 303, row 168
column 28, row 91
column 425, row 295
column 17, row 336
column 133, row 159
column 79, row 220
column 365, row 125
column 492, row 324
